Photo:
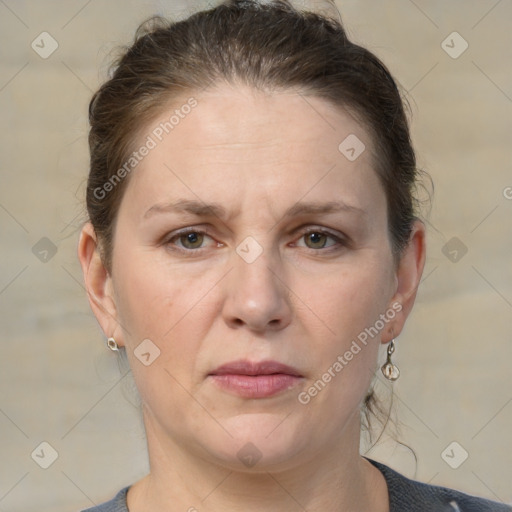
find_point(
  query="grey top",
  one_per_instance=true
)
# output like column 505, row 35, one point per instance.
column 405, row 495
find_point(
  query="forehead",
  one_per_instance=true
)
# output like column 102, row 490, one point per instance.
column 227, row 117
column 246, row 142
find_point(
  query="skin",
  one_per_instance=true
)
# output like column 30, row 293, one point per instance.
column 302, row 302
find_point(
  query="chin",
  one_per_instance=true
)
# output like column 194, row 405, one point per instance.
column 261, row 442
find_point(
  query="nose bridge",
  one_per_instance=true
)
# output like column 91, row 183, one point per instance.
column 255, row 268
column 256, row 296
column 255, row 265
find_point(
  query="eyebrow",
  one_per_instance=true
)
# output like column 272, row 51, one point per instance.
column 188, row 206
column 202, row 209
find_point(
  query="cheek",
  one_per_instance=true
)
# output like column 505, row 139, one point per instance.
column 165, row 308
column 142, row 298
column 172, row 308
column 153, row 298
column 349, row 298
column 345, row 328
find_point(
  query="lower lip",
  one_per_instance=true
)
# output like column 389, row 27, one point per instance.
column 255, row 386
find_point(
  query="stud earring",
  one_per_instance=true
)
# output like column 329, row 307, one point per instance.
column 112, row 344
column 390, row 370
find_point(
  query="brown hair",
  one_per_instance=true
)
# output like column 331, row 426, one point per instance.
column 268, row 46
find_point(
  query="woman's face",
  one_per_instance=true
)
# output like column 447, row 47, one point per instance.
column 291, row 265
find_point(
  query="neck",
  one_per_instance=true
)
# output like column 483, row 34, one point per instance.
column 338, row 480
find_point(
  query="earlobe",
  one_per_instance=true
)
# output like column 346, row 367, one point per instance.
column 98, row 282
column 408, row 276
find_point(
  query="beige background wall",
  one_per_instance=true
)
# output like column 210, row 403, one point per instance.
column 58, row 382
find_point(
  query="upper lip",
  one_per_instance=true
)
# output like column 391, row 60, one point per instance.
column 244, row 367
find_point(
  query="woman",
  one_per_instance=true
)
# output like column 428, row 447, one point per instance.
column 252, row 242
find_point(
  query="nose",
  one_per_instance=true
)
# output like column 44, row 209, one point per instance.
column 257, row 296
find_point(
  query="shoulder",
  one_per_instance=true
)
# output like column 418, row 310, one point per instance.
column 407, row 495
column 117, row 504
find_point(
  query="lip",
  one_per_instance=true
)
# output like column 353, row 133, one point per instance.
column 261, row 379
column 244, row 367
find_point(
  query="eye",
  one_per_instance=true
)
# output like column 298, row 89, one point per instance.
column 191, row 240
column 195, row 241
column 319, row 239
column 188, row 240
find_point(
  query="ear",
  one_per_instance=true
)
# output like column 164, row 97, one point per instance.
column 98, row 283
column 408, row 276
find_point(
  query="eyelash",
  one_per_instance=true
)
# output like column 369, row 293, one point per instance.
column 339, row 242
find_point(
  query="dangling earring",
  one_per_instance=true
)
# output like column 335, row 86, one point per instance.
column 390, row 370
column 112, row 344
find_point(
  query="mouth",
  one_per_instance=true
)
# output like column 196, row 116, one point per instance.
column 255, row 379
